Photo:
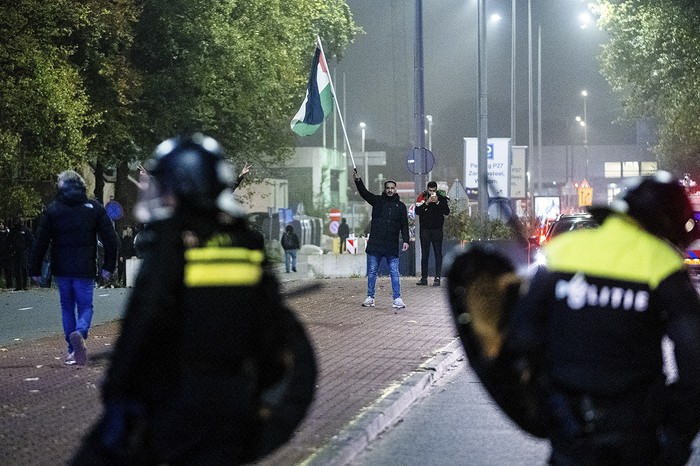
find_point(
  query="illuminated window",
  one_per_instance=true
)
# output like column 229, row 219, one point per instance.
column 613, row 170
column 648, row 168
column 630, row 169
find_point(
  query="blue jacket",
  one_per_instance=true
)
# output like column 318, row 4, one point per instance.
column 389, row 218
column 71, row 224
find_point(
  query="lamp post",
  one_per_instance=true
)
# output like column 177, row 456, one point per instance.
column 364, row 152
column 482, row 110
column 429, row 132
column 584, row 94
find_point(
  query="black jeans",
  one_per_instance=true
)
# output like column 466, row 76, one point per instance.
column 20, row 264
column 430, row 237
column 6, row 270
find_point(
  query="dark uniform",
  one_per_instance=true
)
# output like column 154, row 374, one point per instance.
column 594, row 320
column 600, row 350
column 20, row 240
column 211, row 367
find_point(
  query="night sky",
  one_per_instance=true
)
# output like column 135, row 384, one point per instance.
column 378, row 71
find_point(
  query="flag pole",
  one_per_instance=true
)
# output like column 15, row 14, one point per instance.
column 335, row 99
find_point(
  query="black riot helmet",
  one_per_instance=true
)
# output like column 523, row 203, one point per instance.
column 661, row 206
column 186, row 175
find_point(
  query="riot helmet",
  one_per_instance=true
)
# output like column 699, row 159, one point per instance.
column 186, row 175
column 659, row 204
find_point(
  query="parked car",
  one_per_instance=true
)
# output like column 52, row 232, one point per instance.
column 692, row 259
column 569, row 222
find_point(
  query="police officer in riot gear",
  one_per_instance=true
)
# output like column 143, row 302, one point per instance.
column 211, row 367
column 600, row 350
column 594, row 318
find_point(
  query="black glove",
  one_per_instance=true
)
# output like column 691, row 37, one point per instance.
column 122, row 426
column 674, row 450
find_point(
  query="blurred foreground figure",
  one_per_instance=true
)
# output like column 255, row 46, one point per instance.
column 600, row 351
column 211, row 367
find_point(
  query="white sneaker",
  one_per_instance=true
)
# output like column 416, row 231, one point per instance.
column 398, row 303
column 79, row 350
column 70, row 359
column 369, row 302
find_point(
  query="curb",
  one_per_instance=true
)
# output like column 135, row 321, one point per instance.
column 374, row 419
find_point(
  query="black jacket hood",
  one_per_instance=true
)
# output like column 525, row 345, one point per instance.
column 72, row 192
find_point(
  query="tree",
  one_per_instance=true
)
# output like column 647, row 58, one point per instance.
column 103, row 81
column 653, row 62
column 46, row 117
column 234, row 70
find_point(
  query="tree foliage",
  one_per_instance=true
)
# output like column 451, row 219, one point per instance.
column 103, row 81
column 653, row 62
column 46, row 117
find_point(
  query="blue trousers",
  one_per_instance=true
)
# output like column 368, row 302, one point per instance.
column 373, row 261
column 76, row 305
column 290, row 255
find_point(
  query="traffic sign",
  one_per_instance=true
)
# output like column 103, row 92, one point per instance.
column 115, row 211
column 585, row 196
column 333, row 227
column 420, row 160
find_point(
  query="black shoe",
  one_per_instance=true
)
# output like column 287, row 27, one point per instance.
column 436, row 282
column 294, row 269
column 423, row 281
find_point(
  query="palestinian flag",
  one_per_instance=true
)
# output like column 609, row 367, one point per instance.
column 318, row 103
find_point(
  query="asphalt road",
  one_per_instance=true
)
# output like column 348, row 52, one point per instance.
column 456, row 424
column 28, row 315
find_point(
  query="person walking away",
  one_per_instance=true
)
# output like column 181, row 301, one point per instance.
column 612, row 321
column 20, row 243
column 210, row 367
column 343, row 233
column 5, row 257
column 126, row 252
column 290, row 244
column 389, row 220
column 432, row 206
column 71, row 225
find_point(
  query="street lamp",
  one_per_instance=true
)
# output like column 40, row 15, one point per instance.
column 364, row 152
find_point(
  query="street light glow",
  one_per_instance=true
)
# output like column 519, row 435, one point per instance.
column 584, row 93
column 585, row 20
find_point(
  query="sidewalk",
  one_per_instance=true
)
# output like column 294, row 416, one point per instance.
column 373, row 362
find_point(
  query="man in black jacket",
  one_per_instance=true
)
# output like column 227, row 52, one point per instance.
column 432, row 208
column 389, row 218
column 71, row 225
